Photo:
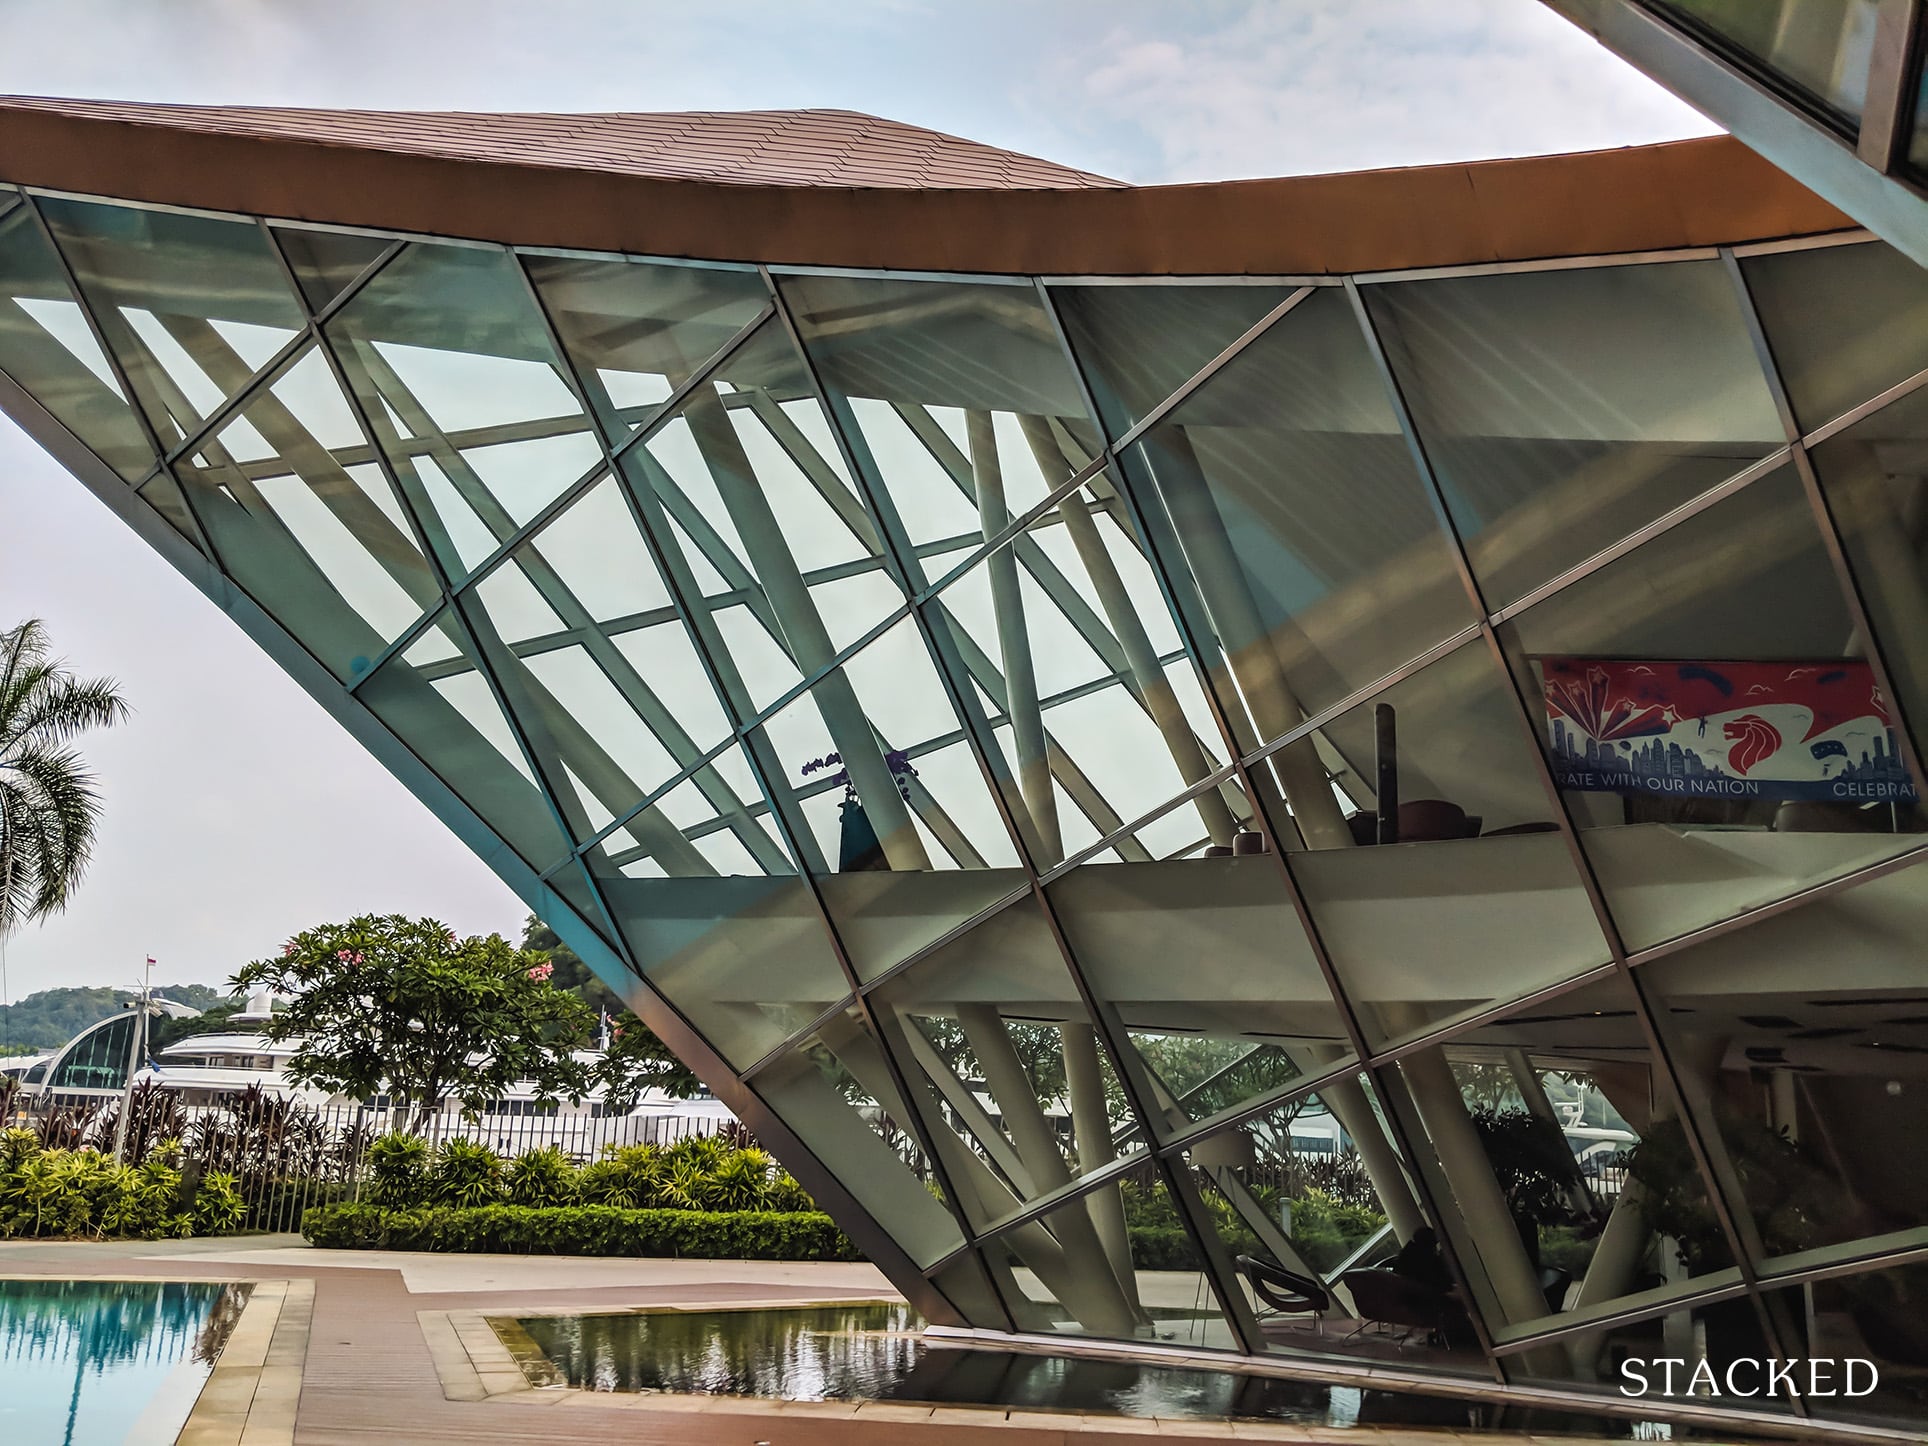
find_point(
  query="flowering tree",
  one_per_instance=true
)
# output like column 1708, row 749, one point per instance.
column 386, row 1004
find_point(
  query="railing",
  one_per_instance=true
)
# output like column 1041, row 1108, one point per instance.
column 287, row 1156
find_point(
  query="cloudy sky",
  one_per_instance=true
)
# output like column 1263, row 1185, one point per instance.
column 236, row 811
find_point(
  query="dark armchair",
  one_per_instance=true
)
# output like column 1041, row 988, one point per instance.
column 1385, row 1297
column 1285, row 1291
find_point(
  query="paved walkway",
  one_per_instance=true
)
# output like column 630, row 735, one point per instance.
column 370, row 1376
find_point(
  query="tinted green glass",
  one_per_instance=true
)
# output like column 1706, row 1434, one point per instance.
column 324, row 262
column 193, row 306
column 48, row 348
column 636, row 330
column 1297, row 516
column 450, row 363
column 1561, row 410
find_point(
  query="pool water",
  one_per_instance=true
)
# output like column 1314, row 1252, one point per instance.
column 877, row 1352
column 106, row 1362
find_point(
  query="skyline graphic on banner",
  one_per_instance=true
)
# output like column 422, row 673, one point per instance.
column 1722, row 729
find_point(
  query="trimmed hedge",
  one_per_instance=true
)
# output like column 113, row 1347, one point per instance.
column 582, row 1230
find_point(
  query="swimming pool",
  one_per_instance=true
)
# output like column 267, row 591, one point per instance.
column 876, row 1351
column 105, row 1362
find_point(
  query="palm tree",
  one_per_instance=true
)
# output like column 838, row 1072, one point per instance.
column 48, row 802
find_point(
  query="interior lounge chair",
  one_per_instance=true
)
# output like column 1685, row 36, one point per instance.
column 1387, row 1298
column 1286, row 1292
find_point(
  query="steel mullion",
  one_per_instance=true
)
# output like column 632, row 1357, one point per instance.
column 673, row 581
column 129, row 397
column 955, row 697
column 1907, row 386
column 1183, row 618
column 1888, row 105
column 1823, row 513
column 1192, row 383
column 1710, row 1155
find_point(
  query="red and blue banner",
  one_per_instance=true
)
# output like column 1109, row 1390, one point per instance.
column 1722, row 730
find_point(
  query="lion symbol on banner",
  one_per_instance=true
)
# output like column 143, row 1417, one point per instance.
column 1754, row 739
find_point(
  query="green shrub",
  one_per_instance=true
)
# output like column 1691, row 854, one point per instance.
column 582, row 1230
column 542, row 1177
column 64, row 1193
column 632, row 1177
column 398, row 1171
column 465, row 1174
column 786, row 1194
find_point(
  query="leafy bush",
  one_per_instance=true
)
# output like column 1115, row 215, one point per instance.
column 544, row 1177
column 465, row 1175
column 398, row 1171
column 84, row 1193
column 582, row 1230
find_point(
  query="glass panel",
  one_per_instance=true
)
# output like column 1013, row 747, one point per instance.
column 746, row 483
column 1305, row 527
column 958, row 396
column 324, row 262
column 1007, row 1063
column 1139, row 344
column 1096, row 715
column 1248, row 1013
column 1557, row 1153
column 1845, row 323
column 835, row 1090
column 887, row 796
column 315, row 536
column 98, row 1061
column 194, row 306
column 1430, row 926
column 1866, row 1336
column 1069, row 1273
column 635, row 330
column 435, row 698
column 1331, row 1251
column 1658, row 1357
column 1711, row 719
column 1808, row 1036
column 1562, row 410
column 448, row 356
column 47, row 347
column 164, row 496
column 601, row 659
column 1819, row 48
column 716, row 915
column 1875, row 477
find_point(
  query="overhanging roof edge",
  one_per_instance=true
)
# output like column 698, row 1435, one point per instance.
column 1649, row 198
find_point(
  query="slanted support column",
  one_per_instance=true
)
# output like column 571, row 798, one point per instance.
column 803, row 629
column 1148, row 680
column 1085, row 1083
column 1020, row 676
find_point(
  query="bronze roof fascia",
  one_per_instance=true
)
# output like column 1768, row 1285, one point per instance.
column 1649, row 198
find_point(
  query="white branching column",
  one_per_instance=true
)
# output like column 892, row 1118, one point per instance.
column 1020, row 676
column 803, row 629
column 1091, row 1122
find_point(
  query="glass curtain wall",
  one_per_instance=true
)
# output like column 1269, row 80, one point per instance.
column 1273, row 817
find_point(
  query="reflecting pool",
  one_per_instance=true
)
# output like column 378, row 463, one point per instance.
column 101, row 1362
column 877, row 1352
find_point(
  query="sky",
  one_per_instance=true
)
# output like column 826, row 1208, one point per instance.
column 236, row 812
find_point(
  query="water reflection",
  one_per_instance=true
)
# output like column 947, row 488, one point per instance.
column 90, row 1361
column 876, row 1352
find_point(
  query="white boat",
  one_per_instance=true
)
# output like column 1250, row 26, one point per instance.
column 210, row 1070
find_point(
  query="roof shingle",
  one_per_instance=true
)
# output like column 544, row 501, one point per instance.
column 769, row 147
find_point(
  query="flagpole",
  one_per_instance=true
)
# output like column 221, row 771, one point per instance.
column 133, row 1058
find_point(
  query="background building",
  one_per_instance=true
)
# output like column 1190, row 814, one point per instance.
column 1044, row 691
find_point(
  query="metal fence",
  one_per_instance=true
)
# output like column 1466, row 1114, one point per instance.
column 286, row 1156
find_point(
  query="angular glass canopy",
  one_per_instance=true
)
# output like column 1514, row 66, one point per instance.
column 1222, row 815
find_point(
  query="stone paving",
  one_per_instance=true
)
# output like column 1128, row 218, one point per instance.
column 346, row 1348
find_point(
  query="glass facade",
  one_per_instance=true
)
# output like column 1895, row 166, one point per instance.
column 1369, row 820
